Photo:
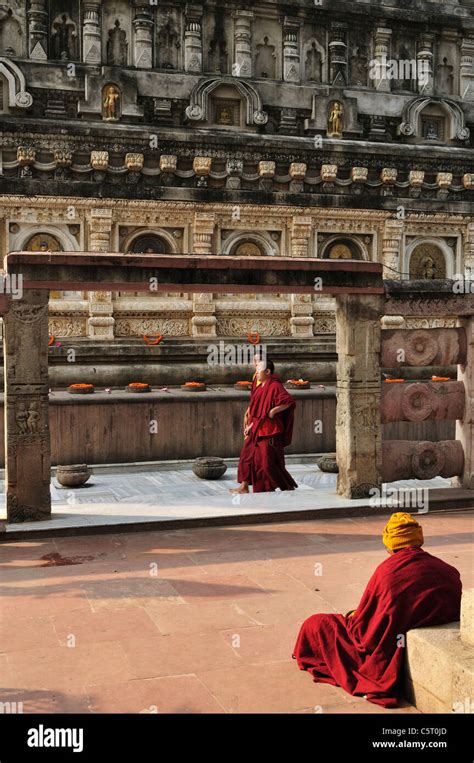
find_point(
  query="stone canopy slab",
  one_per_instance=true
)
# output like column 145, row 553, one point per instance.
column 194, row 273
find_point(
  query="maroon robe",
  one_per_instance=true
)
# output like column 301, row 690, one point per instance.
column 362, row 653
column 262, row 461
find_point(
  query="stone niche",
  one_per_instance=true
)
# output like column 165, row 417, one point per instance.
column 116, row 32
column 12, row 23
column 319, row 121
column 168, row 39
column 314, row 60
column 126, row 84
column 266, row 47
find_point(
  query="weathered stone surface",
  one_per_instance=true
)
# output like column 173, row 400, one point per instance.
column 465, row 427
column 423, row 347
column 358, row 426
column 404, row 460
column 28, row 460
column 421, row 401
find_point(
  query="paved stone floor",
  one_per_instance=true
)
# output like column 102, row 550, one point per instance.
column 130, row 497
column 191, row 620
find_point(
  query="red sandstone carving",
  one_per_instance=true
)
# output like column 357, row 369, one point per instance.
column 402, row 460
column 423, row 400
column 421, row 347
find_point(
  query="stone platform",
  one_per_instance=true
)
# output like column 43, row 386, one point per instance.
column 142, row 497
column 197, row 620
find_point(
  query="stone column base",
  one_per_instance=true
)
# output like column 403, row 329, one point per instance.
column 102, row 328
column 204, row 326
column 302, row 326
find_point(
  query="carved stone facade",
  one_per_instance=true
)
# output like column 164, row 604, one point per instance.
column 147, row 127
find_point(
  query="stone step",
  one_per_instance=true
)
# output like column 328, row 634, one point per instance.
column 439, row 668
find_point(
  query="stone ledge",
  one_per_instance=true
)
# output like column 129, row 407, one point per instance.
column 439, row 669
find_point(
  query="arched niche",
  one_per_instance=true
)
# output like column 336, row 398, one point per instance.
column 429, row 259
column 434, row 120
column 252, row 245
column 150, row 242
column 208, row 101
column 343, row 248
column 47, row 239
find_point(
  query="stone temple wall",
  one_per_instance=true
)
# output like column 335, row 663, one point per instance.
column 318, row 129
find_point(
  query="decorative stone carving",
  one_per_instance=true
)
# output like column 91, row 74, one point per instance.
column 411, row 117
column 358, row 429
column 382, row 53
column 335, row 120
column 404, row 459
column 202, row 165
column 465, row 426
column 266, row 169
column 338, row 54
column 388, row 175
column 416, row 178
column 117, row 46
column 168, row 163
column 444, row 179
column 111, row 103
column 199, row 108
column 26, row 155
column 63, row 158
column 422, row 401
column 38, row 30
column 91, row 34
column 134, row 162
column 297, row 170
column 359, row 174
column 468, row 181
column 242, row 66
column 329, row 172
column 193, row 40
column 26, row 402
column 291, row 55
column 143, row 26
column 437, row 347
column 99, row 160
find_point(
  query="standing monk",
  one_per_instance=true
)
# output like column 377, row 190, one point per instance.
column 268, row 430
column 363, row 651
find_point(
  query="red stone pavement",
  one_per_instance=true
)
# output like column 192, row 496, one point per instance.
column 195, row 620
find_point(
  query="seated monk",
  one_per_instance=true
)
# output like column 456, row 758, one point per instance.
column 268, row 430
column 363, row 651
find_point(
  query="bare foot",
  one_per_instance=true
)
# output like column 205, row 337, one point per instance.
column 241, row 489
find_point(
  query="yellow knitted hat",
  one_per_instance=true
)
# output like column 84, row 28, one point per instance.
column 402, row 531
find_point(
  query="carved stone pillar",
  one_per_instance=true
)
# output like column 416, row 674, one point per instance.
column 203, row 322
column 466, row 69
column 465, row 426
column 424, row 64
column 143, row 47
column 193, row 40
column 469, row 252
column 358, row 427
column 301, row 321
column 242, row 66
column 381, row 53
column 338, row 53
column 91, row 36
column 27, row 438
column 203, row 232
column 291, row 52
column 100, row 324
column 300, row 236
column 391, row 249
column 38, row 30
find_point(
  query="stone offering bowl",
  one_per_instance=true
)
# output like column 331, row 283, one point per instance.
column 209, row 467
column 74, row 475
